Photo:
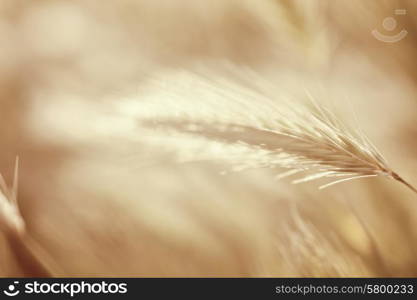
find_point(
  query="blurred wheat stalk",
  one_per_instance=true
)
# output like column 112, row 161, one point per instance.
column 33, row 259
column 11, row 221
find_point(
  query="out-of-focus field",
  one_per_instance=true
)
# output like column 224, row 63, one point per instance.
column 100, row 201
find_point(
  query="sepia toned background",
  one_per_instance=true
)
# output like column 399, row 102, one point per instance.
column 99, row 199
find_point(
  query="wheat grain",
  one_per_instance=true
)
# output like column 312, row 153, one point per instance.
column 249, row 130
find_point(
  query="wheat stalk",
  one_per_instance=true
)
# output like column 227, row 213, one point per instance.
column 11, row 221
column 33, row 259
column 250, row 130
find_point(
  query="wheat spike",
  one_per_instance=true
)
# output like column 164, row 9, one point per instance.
column 226, row 124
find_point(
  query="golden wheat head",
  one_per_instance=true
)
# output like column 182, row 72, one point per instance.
column 247, row 129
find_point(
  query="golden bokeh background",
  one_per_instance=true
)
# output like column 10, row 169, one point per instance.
column 98, row 200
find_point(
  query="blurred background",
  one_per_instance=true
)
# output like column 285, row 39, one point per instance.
column 99, row 200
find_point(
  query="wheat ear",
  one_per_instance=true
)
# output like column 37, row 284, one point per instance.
column 250, row 130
